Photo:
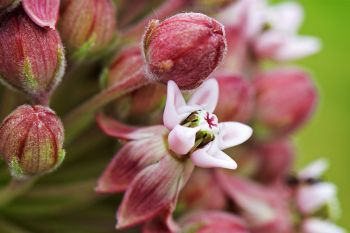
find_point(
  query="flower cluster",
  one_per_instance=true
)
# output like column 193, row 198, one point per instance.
column 202, row 109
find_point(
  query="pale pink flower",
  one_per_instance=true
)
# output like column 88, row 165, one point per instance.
column 315, row 225
column 272, row 31
column 195, row 130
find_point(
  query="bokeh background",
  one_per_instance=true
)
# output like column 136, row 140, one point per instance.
column 327, row 135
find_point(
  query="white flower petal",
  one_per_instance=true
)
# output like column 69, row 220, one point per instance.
column 315, row 225
column 286, row 17
column 182, row 139
column 312, row 197
column 201, row 158
column 314, row 170
column 174, row 102
column 206, row 95
column 298, row 47
column 232, row 134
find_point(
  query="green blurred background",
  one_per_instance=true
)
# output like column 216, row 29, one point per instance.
column 327, row 135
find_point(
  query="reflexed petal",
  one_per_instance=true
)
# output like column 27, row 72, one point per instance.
column 182, row 139
column 202, row 158
column 164, row 223
column 285, row 17
column 298, row 47
column 152, row 191
column 174, row 101
column 131, row 159
column 314, row 170
column 213, row 221
column 119, row 130
column 315, row 225
column 311, row 198
column 44, row 13
column 232, row 134
column 206, row 95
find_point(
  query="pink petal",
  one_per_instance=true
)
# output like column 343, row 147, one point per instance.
column 164, row 223
column 119, row 130
column 265, row 208
column 315, row 225
column 311, row 198
column 182, row 139
column 130, row 160
column 44, row 13
column 152, row 191
column 174, row 101
column 232, row 134
column 213, row 221
column 206, row 95
column 209, row 158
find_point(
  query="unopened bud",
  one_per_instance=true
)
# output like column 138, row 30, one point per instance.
column 31, row 141
column 285, row 100
column 31, row 58
column 236, row 99
column 87, row 26
column 185, row 48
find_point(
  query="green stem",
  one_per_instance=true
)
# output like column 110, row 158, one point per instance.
column 14, row 189
column 81, row 117
column 8, row 102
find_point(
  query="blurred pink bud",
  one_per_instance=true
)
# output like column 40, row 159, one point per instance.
column 286, row 99
column 128, row 64
column 87, row 26
column 202, row 192
column 185, row 48
column 31, row 58
column 274, row 160
column 44, row 13
column 265, row 209
column 213, row 221
column 31, row 141
column 236, row 99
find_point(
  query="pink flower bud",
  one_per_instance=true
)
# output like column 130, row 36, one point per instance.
column 31, row 58
column 274, row 160
column 31, row 141
column 285, row 100
column 236, row 99
column 185, row 48
column 87, row 26
column 127, row 64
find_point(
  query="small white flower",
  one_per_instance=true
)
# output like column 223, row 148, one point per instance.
column 195, row 130
column 315, row 225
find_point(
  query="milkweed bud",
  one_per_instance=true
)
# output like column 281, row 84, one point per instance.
column 31, row 58
column 286, row 99
column 31, row 141
column 87, row 26
column 236, row 99
column 185, row 48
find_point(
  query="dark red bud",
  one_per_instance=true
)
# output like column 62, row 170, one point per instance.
column 31, row 141
column 31, row 58
column 87, row 26
column 236, row 99
column 185, row 48
column 286, row 99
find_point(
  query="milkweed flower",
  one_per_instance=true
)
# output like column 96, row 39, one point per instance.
column 158, row 160
column 195, row 131
column 271, row 31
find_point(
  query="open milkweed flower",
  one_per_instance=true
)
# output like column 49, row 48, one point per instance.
column 313, row 194
column 271, row 31
column 195, row 130
column 155, row 160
